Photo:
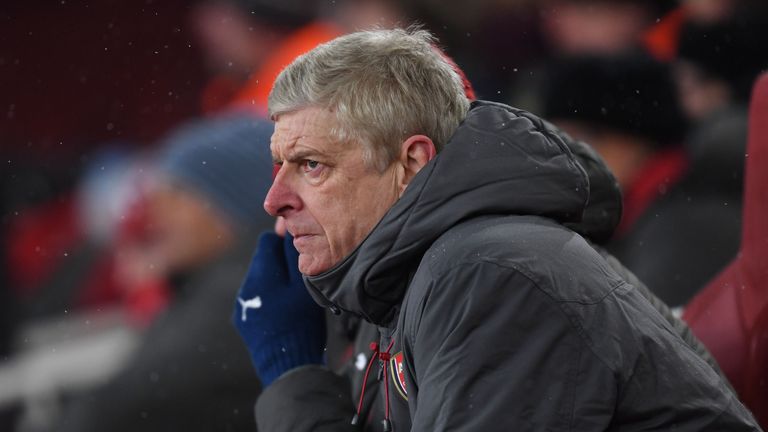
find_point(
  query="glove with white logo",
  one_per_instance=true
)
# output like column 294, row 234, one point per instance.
column 281, row 325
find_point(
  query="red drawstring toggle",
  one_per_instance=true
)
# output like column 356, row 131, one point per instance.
column 385, row 356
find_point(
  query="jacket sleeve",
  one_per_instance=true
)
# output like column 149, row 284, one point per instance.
column 308, row 398
column 491, row 351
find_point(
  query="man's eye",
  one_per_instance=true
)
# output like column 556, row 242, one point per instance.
column 311, row 165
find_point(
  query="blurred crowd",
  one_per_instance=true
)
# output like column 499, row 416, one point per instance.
column 135, row 147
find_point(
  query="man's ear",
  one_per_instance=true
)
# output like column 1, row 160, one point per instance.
column 415, row 153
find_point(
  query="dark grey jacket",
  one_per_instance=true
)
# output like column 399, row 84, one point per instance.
column 504, row 318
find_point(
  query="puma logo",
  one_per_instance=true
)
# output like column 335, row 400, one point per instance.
column 253, row 303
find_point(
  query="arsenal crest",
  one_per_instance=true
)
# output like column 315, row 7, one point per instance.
column 398, row 374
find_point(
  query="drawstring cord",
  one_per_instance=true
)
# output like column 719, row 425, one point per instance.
column 384, row 357
column 375, row 349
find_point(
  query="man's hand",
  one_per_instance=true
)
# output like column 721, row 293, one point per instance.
column 278, row 320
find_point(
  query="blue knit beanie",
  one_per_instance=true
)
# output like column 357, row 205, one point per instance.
column 227, row 160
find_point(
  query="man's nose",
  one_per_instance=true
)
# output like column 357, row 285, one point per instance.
column 281, row 197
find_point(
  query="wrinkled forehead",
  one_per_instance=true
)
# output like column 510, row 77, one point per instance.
column 306, row 131
column 307, row 124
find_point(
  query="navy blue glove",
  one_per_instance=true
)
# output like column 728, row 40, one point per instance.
column 278, row 320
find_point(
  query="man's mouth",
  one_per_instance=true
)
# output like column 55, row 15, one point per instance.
column 300, row 240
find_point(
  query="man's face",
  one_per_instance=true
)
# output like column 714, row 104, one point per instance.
column 329, row 197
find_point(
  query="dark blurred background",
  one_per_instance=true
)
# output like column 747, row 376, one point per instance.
column 76, row 75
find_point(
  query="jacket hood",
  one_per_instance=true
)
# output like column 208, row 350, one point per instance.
column 500, row 161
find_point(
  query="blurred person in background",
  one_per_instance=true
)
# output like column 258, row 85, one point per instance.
column 246, row 43
column 61, row 258
column 682, row 189
column 583, row 27
column 574, row 27
column 239, row 38
column 502, row 44
column 716, row 64
column 718, row 57
column 626, row 108
column 717, row 49
column 200, row 222
column 88, row 225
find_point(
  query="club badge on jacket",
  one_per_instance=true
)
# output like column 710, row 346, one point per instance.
column 398, row 374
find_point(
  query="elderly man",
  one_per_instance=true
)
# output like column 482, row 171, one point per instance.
column 446, row 225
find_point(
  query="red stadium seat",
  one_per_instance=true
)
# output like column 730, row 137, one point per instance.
column 730, row 315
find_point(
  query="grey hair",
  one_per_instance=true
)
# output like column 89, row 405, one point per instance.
column 382, row 85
